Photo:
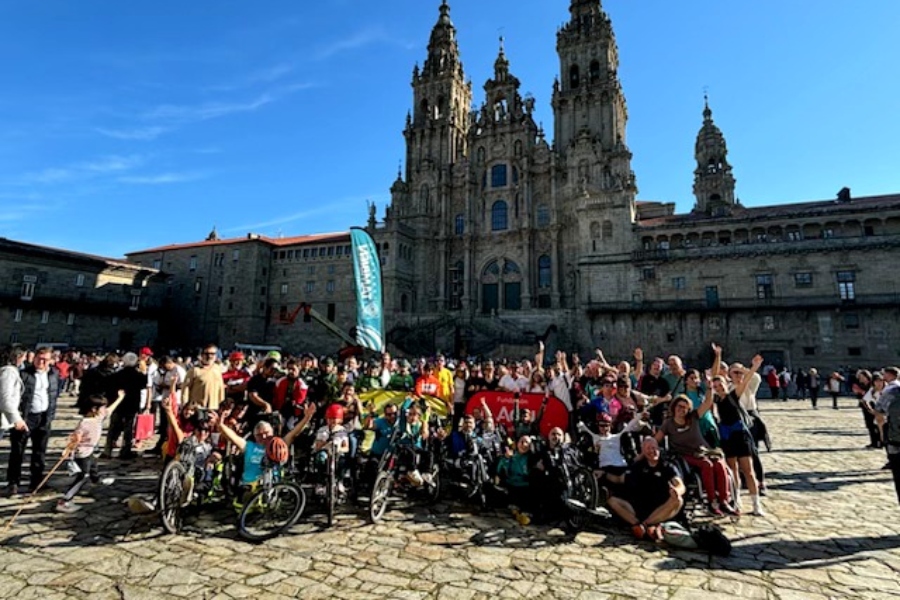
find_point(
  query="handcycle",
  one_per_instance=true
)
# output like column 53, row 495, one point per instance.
column 274, row 504
column 394, row 469
column 179, row 487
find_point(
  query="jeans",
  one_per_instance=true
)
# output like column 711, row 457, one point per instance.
column 88, row 466
column 39, row 434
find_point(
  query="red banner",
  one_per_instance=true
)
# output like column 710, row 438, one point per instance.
column 502, row 405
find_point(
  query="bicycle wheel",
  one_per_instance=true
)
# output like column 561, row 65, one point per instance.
column 170, row 499
column 381, row 493
column 434, row 488
column 331, row 490
column 270, row 511
column 581, row 497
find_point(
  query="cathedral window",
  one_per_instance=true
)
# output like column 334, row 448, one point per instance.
column 499, row 216
column 498, row 176
column 544, row 272
column 607, row 230
column 595, row 71
column 574, row 77
column 543, row 215
column 460, row 227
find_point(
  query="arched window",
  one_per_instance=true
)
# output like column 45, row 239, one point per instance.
column 511, row 268
column 543, row 215
column 544, row 272
column 499, row 216
column 574, row 77
column 595, row 71
column 512, row 286
column 515, row 175
column 607, row 230
column 460, row 227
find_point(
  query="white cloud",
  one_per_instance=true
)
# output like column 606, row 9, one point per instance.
column 142, row 134
column 163, row 178
column 205, row 111
column 112, row 164
column 360, row 39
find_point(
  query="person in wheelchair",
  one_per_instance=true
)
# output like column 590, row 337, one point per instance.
column 608, row 448
column 195, row 448
column 335, row 432
column 683, row 431
column 254, row 450
column 413, row 445
column 550, row 475
column 514, row 473
column 464, row 446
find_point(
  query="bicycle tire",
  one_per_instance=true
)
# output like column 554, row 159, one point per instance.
column 381, row 493
column 582, row 489
column 331, row 489
column 270, row 511
column 169, row 498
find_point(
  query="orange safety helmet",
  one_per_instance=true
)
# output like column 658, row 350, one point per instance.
column 277, row 450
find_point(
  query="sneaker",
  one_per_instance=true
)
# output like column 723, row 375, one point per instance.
column 733, row 511
column 763, row 491
column 67, row 507
column 107, row 481
column 639, row 531
column 522, row 518
column 654, row 533
column 428, row 478
column 715, row 511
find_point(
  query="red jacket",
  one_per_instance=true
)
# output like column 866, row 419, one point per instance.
column 294, row 404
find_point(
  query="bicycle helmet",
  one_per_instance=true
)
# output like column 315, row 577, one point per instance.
column 335, row 411
column 277, row 450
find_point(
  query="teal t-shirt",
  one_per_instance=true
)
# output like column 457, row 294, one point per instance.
column 253, row 457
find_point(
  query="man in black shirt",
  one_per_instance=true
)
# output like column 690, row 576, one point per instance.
column 653, row 493
column 261, row 391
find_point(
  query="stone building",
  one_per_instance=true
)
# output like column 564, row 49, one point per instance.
column 248, row 290
column 496, row 235
column 51, row 296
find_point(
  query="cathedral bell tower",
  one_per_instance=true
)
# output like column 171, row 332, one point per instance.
column 436, row 130
column 588, row 98
column 713, row 181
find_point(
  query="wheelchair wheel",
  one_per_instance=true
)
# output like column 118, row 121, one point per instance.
column 434, row 489
column 381, row 493
column 270, row 511
column 170, row 500
column 582, row 496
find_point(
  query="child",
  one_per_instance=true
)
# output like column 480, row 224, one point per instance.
column 83, row 442
column 198, row 443
column 514, row 470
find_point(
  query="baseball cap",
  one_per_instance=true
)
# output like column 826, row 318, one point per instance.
column 146, row 351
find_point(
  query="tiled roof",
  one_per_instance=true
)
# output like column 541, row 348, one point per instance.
column 287, row 241
column 49, row 251
column 868, row 204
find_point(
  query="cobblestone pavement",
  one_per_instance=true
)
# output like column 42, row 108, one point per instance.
column 832, row 531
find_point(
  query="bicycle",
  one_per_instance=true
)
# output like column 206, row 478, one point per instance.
column 393, row 476
column 274, row 506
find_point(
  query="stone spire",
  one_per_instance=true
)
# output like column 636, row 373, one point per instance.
column 443, row 50
column 713, row 180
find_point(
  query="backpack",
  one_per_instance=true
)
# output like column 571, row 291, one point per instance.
column 711, row 539
column 675, row 535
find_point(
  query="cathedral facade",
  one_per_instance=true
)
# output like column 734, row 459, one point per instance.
column 495, row 231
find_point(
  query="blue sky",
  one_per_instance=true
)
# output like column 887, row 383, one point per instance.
column 131, row 124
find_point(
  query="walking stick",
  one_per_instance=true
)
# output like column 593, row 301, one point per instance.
column 64, row 456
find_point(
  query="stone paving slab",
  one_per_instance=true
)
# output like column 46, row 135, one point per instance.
column 832, row 531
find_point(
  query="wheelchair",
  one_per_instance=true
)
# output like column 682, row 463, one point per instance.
column 393, row 477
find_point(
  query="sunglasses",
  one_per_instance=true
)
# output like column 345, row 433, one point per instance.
column 608, row 384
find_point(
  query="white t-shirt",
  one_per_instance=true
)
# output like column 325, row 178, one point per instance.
column 748, row 398
column 40, row 402
column 507, row 382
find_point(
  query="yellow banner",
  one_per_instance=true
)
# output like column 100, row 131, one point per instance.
column 378, row 398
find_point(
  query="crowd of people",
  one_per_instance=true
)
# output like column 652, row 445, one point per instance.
column 707, row 417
